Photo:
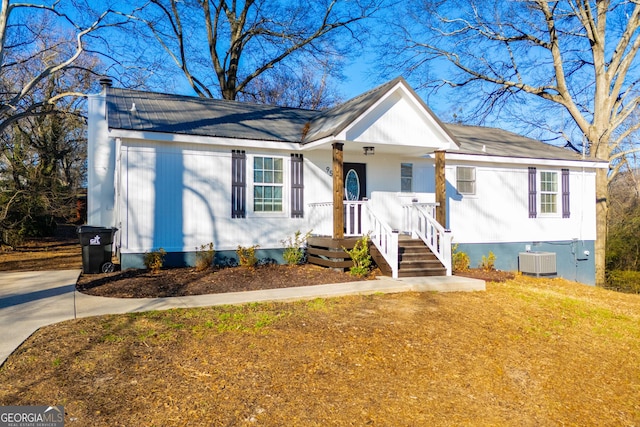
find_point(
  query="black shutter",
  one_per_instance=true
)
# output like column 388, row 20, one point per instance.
column 238, row 184
column 297, row 186
column 533, row 209
column 566, row 213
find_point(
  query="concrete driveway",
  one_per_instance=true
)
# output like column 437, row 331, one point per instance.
column 30, row 300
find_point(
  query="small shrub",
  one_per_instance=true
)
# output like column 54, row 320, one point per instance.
column 488, row 262
column 247, row 256
column 154, row 260
column 294, row 247
column 624, row 281
column 360, row 256
column 460, row 260
column 205, row 255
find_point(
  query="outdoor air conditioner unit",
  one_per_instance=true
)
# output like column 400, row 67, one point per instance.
column 538, row 263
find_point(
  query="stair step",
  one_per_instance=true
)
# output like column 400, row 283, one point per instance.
column 411, row 243
column 417, row 256
column 415, row 259
column 423, row 263
column 420, row 272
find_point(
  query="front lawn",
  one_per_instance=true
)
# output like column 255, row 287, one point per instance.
column 525, row 352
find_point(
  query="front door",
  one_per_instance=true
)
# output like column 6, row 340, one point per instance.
column 355, row 181
column 355, row 189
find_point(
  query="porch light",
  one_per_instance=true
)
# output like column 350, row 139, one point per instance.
column 369, row 151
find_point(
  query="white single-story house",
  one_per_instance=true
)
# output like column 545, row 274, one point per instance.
column 177, row 172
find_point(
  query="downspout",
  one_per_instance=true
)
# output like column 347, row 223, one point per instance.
column 117, row 178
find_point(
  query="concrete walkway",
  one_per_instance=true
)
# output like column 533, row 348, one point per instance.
column 30, row 300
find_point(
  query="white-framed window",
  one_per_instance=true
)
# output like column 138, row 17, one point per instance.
column 268, row 183
column 548, row 192
column 406, row 177
column 466, row 180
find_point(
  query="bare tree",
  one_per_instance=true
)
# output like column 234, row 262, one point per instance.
column 30, row 53
column 44, row 74
column 42, row 163
column 222, row 47
column 292, row 88
column 578, row 55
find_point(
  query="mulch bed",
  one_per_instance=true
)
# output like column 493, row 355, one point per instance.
column 189, row 281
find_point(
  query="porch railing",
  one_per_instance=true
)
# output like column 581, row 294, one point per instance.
column 422, row 224
column 321, row 217
column 360, row 218
column 385, row 239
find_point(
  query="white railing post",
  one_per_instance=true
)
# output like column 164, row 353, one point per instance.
column 384, row 238
column 393, row 253
column 446, row 251
column 414, row 219
column 433, row 235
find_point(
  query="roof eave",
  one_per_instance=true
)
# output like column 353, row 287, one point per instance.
column 203, row 140
column 488, row 158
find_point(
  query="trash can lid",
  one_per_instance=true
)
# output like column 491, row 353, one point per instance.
column 94, row 229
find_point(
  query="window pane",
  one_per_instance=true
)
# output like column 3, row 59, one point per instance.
column 267, row 170
column 466, row 174
column 405, row 185
column 466, row 180
column 268, row 163
column 548, row 203
column 406, row 177
column 466, row 187
column 406, row 170
column 548, row 181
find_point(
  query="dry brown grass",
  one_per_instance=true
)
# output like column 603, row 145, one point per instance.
column 48, row 253
column 527, row 352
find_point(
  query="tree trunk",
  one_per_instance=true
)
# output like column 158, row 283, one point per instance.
column 602, row 207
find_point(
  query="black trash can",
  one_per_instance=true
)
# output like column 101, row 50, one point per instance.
column 96, row 248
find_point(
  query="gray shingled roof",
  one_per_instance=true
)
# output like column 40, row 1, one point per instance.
column 156, row 112
column 497, row 142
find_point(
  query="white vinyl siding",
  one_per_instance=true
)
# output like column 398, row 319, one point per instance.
column 501, row 205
